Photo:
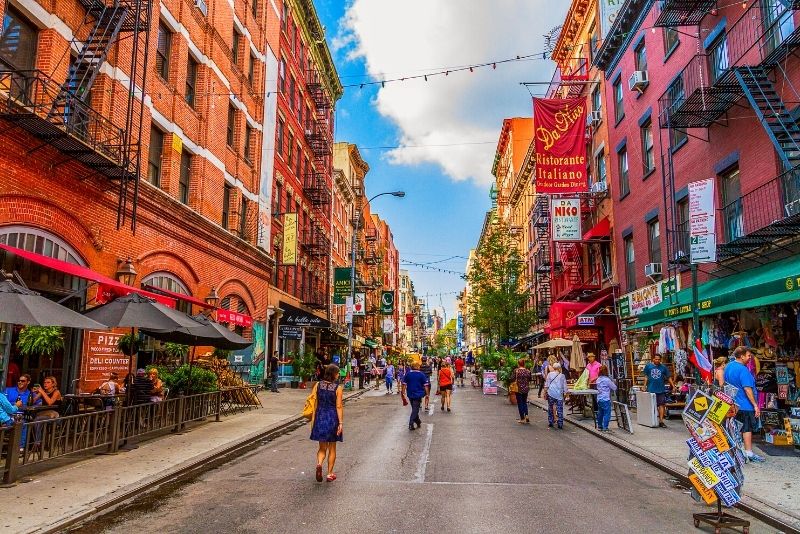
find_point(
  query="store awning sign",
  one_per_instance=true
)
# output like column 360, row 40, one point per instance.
column 235, row 318
column 702, row 222
column 635, row 302
column 293, row 316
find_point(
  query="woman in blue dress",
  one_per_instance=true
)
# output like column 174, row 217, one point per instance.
column 326, row 426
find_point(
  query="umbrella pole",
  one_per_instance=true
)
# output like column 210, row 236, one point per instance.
column 129, row 387
column 191, row 359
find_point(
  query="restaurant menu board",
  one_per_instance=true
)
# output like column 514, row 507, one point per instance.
column 715, row 449
column 101, row 357
column 490, row 382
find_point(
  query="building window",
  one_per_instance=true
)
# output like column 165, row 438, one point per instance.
column 226, row 205
column 654, row 241
column 277, row 198
column 677, row 137
column 630, row 264
column 682, row 227
column 597, row 101
column 640, row 57
column 243, row 218
column 622, row 167
column 290, row 151
column 251, row 72
column 185, row 176
column 248, row 143
column 648, row 155
column 279, row 137
column 237, row 40
column 154, row 154
column 191, row 80
column 18, row 53
column 290, row 96
column 254, row 8
column 163, row 50
column 732, row 209
column 671, row 40
column 231, row 124
column 285, row 16
column 299, row 162
column 600, row 167
column 593, row 42
column 282, row 75
column 718, row 53
column 619, row 109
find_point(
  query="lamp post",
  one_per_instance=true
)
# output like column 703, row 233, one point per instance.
column 125, row 272
column 399, row 194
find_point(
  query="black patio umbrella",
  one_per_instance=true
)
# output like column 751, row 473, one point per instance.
column 137, row 311
column 20, row 305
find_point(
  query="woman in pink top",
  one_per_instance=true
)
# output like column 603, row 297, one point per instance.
column 593, row 366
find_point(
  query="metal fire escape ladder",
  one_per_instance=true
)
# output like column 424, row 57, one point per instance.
column 781, row 128
column 544, row 260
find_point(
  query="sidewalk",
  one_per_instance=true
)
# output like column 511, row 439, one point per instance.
column 61, row 495
column 771, row 488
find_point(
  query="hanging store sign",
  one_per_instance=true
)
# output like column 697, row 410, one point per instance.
column 360, row 304
column 290, row 332
column 585, row 320
column 409, row 319
column 387, row 302
column 290, row 239
column 293, row 316
column 388, row 326
column 608, row 14
column 560, row 145
column 635, row 302
column 702, row 222
column 341, row 284
column 566, row 219
column 235, row 318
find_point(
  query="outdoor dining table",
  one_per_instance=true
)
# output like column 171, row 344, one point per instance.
column 581, row 398
column 73, row 402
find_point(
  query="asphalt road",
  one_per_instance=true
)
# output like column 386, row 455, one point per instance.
column 471, row 470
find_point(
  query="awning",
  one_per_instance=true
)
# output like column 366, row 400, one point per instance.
column 371, row 344
column 108, row 288
column 563, row 311
column 590, row 307
column 297, row 317
column 773, row 283
column 601, row 230
column 178, row 296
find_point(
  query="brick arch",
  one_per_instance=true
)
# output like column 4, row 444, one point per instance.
column 47, row 216
column 164, row 260
column 234, row 286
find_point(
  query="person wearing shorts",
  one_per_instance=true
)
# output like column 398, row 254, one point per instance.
column 738, row 375
column 459, row 365
column 446, row 384
column 656, row 375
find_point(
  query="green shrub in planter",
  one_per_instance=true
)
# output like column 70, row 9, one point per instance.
column 177, row 380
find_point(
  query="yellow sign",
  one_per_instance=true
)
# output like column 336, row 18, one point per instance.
column 700, row 404
column 719, row 410
column 706, row 474
column 177, row 143
column 290, row 239
column 707, row 494
column 719, row 439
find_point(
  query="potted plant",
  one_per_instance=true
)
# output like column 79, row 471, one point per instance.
column 506, row 374
column 305, row 366
column 176, row 351
column 128, row 344
column 41, row 341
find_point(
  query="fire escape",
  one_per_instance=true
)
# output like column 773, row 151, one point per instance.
column 317, row 188
column 61, row 115
column 543, row 260
column 746, row 62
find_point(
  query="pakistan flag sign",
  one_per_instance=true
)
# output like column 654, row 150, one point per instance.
column 387, row 303
column 341, row 284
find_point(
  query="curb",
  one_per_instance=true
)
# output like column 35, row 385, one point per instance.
column 657, row 462
column 182, row 472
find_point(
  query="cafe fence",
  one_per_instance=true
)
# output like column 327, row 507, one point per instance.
column 29, row 443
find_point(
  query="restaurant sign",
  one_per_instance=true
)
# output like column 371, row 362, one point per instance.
column 235, row 318
column 341, row 284
column 566, row 215
column 635, row 302
column 101, row 357
column 560, row 145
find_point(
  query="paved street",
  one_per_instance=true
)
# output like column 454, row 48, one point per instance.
column 472, row 470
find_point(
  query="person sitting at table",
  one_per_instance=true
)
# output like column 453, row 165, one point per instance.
column 20, row 395
column 157, row 391
column 141, row 388
column 6, row 411
column 47, row 395
column 109, row 388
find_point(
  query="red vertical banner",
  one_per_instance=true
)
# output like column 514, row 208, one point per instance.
column 560, row 145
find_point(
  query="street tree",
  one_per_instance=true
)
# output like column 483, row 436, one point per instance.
column 445, row 341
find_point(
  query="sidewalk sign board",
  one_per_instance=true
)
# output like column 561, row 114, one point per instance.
column 490, row 382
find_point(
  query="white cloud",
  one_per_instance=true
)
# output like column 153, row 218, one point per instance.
column 417, row 36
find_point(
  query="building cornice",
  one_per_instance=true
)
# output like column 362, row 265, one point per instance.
column 315, row 36
column 573, row 24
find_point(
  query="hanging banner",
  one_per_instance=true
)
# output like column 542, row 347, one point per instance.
column 387, row 302
column 566, row 219
column 290, row 239
column 235, row 318
column 360, row 304
column 388, row 326
column 560, row 145
column 341, row 284
column 702, row 222
column 409, row 319
column 348, row 306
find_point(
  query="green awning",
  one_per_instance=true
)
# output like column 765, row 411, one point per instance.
column 371, row 344
column 773, row 283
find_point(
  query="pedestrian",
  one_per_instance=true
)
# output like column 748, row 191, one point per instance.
column 593, row 370
column 522, row 376
column 738, row 375
column 604, row 386
column 470, row 361
column 326, row 424
column 273, row 372
column 389, row 378
column 545, row 369
column 445, row 381
column 416, row 385
column 656, row 374
column 719, row 370
column 554, row 389
column 459, row 366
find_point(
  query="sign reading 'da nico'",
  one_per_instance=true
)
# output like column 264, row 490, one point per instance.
column 566, row 215
column 560, row 145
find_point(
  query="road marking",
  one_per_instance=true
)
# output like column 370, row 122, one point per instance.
column 422, row 465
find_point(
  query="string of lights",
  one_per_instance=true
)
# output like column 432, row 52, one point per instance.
column 431, row 268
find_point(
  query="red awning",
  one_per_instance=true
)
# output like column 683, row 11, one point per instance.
column 601, row 230
column 179, row 296
column 586, row 308
column 108, row 287
column 561, row 312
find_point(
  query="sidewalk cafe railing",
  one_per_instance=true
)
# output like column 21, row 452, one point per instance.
column 28, row 443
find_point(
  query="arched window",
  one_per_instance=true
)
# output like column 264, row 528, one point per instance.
column 170, row 282
column 44, row 243
column 236, row 303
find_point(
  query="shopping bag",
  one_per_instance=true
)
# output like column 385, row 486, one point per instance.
column 405, row 401
column 311, row 404
column 583, row 381
column 513, row 388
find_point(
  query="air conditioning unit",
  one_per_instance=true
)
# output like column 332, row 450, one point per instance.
column 595, row 117
column 202, row 6
column 638, row 81
column 652, row 270
column 600, row 187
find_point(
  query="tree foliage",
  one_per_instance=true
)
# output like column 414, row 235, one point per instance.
column 445, row 341
column 498, row 296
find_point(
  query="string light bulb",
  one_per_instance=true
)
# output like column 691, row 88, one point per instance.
column 494, row 65
column 470, row 69
column 426, row 77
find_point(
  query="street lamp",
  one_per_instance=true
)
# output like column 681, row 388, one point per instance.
column 399, row 194
column 125, row 272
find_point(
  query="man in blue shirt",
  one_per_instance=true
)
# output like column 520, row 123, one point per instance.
column 738, row 375
column 416, row 385
column 18, row 395
column 655, row 375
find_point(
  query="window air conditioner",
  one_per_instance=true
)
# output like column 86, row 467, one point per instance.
column 651, row 270
column 595, row 117
column 202, row 6
column 638, row 81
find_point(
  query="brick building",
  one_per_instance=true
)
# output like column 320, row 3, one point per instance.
column 72, row 152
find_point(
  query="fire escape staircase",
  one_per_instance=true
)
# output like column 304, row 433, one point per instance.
column 544, row 259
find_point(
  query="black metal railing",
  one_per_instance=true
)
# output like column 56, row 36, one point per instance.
column 672, row 13
column 38, row 441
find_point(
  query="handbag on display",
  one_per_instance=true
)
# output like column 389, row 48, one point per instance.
column 310, row 407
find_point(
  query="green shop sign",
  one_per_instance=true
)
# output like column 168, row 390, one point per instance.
column 341, row 285
column 387, row 303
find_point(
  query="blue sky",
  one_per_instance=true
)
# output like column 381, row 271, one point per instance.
column 442, row 132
